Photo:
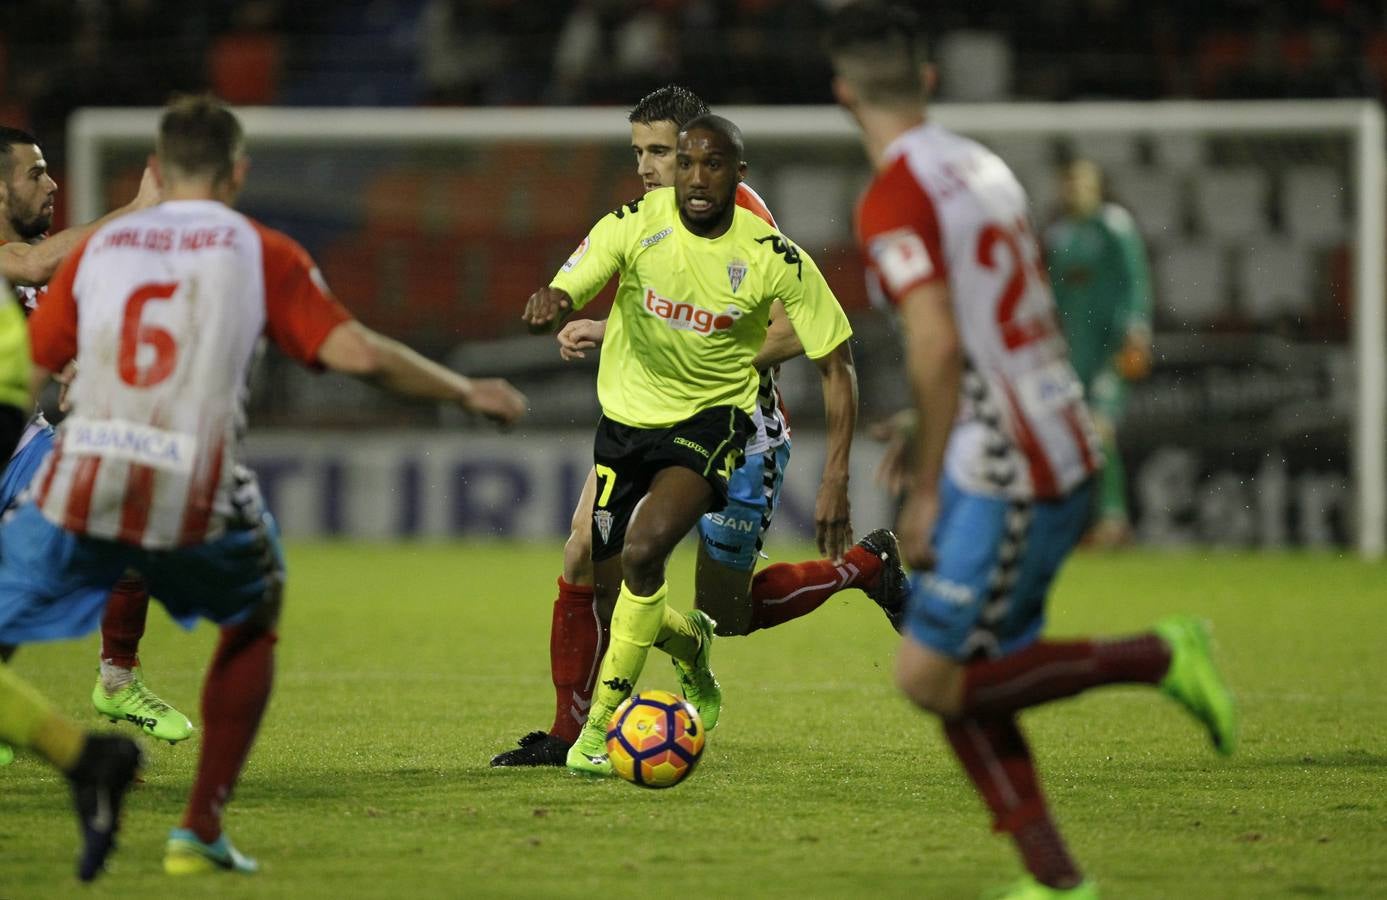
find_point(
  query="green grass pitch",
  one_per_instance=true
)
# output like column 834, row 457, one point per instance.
column 403, row 668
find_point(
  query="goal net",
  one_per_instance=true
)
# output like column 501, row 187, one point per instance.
column 1262, row 424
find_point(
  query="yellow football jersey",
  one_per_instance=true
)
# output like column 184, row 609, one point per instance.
column 691, row 312
column 14, row 353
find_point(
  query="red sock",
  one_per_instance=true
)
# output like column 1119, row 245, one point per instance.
column 998, row 762
column 122, row 626
column 1052, row 670
column 787, row 591
column 577, row 639
column 234, row 696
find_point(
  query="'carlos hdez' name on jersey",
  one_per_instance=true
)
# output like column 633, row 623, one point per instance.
column 691, row 312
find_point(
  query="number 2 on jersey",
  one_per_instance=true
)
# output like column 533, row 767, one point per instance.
column 136, row 333
column 1016, row 332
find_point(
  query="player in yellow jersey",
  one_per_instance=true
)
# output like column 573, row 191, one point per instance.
column 677, row 388
column 726, row 585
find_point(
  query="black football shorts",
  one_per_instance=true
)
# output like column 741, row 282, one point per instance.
column 711, row 442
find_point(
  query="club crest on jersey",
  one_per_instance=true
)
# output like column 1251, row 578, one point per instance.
column 575, row 257
column 687, row 317
column 603, row 520
column 736, row 271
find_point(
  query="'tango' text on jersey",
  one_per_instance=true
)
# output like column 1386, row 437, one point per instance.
column 687, row 317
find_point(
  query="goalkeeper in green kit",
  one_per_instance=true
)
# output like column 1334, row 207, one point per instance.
column 1098, row 269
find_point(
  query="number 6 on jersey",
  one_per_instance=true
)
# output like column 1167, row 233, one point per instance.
column 136, row 334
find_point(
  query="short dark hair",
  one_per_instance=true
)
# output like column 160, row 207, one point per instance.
column 9, row 137
column 671, row 103
column 725, row 128
column 879, row 48
column 198, row 135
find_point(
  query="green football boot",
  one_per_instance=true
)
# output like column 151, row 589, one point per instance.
column 1029, row 889
column 588, row 755
column 1194, row 683
column 700, row 686
column 186, row 854
column 137, row 704
column 6, row 754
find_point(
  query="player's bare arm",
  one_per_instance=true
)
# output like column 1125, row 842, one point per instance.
column 546, row 309
column 897, row 459
column 934, row 370
column 34, row 264
column 781, row 344
column 580, row 335
column 354, row 349
column 832, row 515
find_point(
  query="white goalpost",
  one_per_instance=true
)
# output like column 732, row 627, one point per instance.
column 95, row 136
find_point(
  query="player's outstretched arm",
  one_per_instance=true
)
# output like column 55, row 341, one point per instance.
column 781, row 344
column 354, row 349
column 546, row 309
column 580, row 335
column 934, row 371
column 34, row 264
column 832, row 515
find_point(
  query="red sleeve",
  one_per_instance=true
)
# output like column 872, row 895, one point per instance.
column 751, row 201
column 898, row 231
column 300, row 311
column 53, row 325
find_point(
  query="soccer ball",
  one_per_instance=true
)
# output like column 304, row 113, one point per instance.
column 654, row 739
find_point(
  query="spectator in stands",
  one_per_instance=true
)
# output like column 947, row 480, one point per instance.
column 488, row 53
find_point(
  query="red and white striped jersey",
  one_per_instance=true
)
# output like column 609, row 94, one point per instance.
column 163, row 310
column 771, row 420
column 944, row 207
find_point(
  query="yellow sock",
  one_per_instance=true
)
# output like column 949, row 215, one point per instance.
column 636, row 623
column 678, row 637
column 28, row 720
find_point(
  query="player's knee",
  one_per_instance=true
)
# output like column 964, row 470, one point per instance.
column 643, row 561
column 577, row 557
column 933, row 688
column 922, row 693
column 266, row 614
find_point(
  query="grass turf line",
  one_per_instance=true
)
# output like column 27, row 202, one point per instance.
column 403, row 668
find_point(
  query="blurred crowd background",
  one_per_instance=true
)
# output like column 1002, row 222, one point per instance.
column 56, row 55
